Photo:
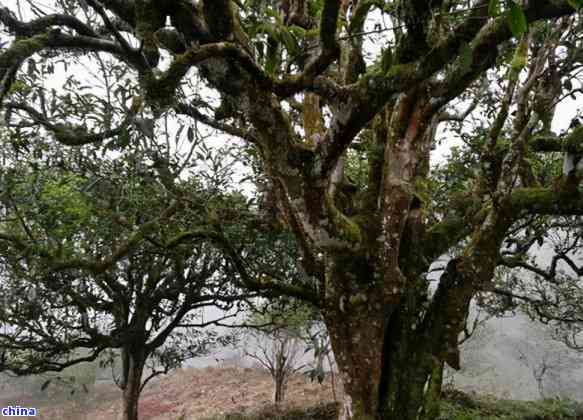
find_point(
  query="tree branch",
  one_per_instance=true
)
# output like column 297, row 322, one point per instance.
column 99, row 9
column 22, row 49
column 545, row 201
column 69, row 134
column 42, row 24
column 572, row 142
column 194, row 113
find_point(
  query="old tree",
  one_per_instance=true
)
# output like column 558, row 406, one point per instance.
column 344, row 130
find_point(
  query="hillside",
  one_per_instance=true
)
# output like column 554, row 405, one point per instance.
column 191, row 393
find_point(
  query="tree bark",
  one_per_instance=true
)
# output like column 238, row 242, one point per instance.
column 358, row 350
column 279, row 394
column 133, row 362
column 390, row 356
column 386, row 374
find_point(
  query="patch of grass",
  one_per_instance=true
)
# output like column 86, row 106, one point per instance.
column 456, row 405
column 459, row 406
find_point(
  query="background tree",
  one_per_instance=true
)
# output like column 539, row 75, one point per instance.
column 301, row 84
column 543, row 277
column 549, row 363
column 97, row 255
column 282, row 333
column 277, row 349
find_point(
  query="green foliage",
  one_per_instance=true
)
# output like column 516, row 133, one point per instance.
column 460, row 406
column 519, row 60
column 20, row 87
column 356, row 166
column 516, row 17
column 63, row 207
column 293, row 316
column 517, row 20
column 494, row 8
column 465, row 57
column 315, row 7
column 454, row 176
column 273, row 39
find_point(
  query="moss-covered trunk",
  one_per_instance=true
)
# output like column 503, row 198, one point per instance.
column 384, row 355
column 357, row 344
column 386, row 374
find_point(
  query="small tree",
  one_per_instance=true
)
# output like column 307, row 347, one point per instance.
column 278, row 341
column 284, row 332
column 550, row 362
column 278, row 352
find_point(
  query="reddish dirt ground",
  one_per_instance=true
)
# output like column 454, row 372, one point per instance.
column 187, row 394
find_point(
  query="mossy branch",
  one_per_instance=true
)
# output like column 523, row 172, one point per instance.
column 572, row 142
column 347, row 229
column 328, row 23
column 22, row 49
column 68, row 134
column 546, row 201
column 161, row 89
column 42, row 24
column 444, row 235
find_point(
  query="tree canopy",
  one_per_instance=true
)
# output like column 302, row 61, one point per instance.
column 97, row 257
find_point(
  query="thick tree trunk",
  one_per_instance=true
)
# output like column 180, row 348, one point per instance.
column 387, row 375
column 385, row 355
column 391, row 354
column 358, row 351
column 133, row 367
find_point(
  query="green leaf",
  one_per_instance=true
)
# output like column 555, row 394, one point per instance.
column 576, row 4
column 517, row 20
column 494, row 8
column 520, row 58
column 288, row 40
